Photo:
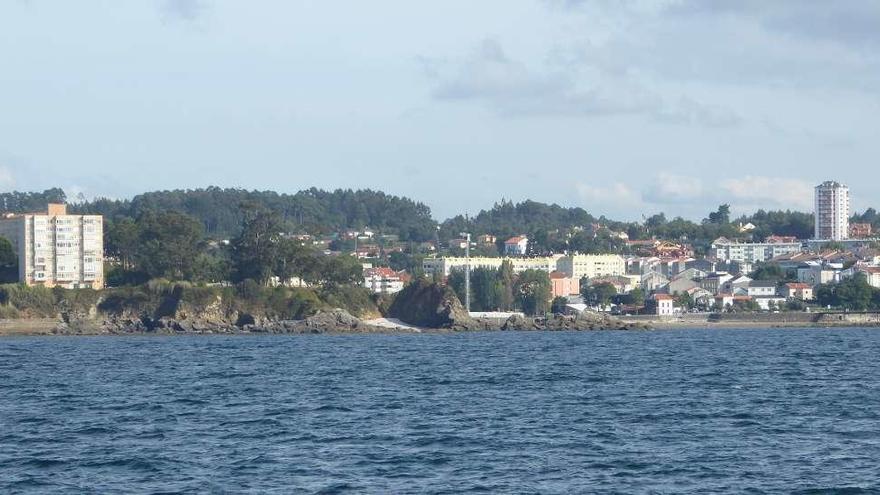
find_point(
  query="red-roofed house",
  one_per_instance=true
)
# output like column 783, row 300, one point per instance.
column 663, row 304
column 724, row 300
column 561, row 285
column 801, row 291
column 516, row 246
column 780, row 239
column 860, row 230
column 666, row 249
column 383, row 280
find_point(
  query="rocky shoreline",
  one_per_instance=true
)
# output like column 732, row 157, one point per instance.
column 336, row 321
column 420, row 307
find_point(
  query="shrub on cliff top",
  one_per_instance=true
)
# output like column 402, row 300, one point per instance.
column 356, row 300
column 200, row 297
column 36, row 301
column 76, row 299
column 135, row 299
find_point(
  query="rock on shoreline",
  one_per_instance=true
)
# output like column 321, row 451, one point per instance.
column 333, row 321
column 583, row 321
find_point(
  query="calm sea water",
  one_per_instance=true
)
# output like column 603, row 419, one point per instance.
column 595, row 412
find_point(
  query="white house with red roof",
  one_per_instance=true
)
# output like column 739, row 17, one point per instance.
column 516, row 246
column 383, row 280
column 663, row 305
column 797, row 290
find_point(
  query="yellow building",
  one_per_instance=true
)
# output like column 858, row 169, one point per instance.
column 579, row 266
column 57, row 249
column 575, row 266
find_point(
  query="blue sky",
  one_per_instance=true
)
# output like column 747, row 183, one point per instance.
column 623, row 107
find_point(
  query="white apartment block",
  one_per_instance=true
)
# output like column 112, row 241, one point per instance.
column 575, row 266
column 57, row 249
column 832, row 211
column 752, row 252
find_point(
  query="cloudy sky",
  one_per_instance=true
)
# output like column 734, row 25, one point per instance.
column 623, row 107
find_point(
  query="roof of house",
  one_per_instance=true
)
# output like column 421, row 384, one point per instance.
column 381, row 271
column 644, row 242
column 718, row 275
column 662, row 297
column 558, row 275
column 612, row 279
column 516, row 239
column 797, row 285
column 779, row 239
column 762, row 283
column 689, row 273
column 695, row 290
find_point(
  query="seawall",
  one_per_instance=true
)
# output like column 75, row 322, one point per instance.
column 782, row 319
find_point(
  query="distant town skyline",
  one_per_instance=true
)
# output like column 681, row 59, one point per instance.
column 622, row 108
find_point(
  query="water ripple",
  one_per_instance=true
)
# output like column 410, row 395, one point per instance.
column 738, row 411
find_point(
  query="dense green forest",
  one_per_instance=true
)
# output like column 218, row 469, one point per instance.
column 550, row 227
column 311, row 211
column 24, row 202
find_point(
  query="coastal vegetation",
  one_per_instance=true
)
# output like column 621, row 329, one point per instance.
column 8, row 262
column 501, row 290
column 851, row 294
column 161, row 298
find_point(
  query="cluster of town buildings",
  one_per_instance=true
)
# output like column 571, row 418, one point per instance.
column 55, row 248
column 668, row 271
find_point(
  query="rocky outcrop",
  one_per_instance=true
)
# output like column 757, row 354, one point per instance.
column 431, row 305
column 583, row 321
column 333, row 321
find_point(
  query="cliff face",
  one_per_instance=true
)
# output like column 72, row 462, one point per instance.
column 174, row 308
column 179, row 308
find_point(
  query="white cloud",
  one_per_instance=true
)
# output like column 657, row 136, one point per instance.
column 616, row 199
column 688, row 111
column 510, row 87
column 752, row 192
column 573, row 85
column 781, row 43
column 668, row 188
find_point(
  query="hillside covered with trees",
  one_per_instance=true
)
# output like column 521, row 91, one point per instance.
column 314, row 211
column 221, row 212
